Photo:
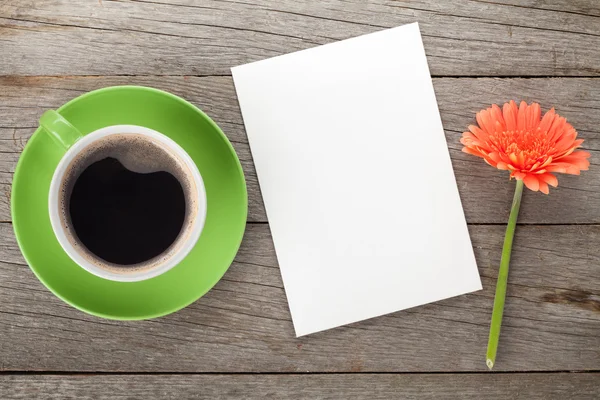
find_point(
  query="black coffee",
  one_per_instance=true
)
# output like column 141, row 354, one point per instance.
column 125, row 217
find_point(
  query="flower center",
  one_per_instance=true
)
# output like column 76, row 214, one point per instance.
column 530, row 147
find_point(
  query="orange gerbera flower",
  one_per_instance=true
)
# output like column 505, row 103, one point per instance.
column 517, row 139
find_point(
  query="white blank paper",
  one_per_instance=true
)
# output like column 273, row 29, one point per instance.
column 356, row 178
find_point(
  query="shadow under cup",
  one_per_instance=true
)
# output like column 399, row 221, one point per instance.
column 128, row 203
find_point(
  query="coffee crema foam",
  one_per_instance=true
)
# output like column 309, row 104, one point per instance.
column 141, row 154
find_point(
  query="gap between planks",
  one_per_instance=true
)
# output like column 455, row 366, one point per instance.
column 162, row 373
column 227, row 75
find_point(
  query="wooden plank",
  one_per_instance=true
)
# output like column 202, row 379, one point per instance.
column 582, row 7
column 182, row 37
column 286, row 387
column 551, row 321
column 486, row 193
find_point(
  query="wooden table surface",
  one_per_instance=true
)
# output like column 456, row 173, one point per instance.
column 238, row 340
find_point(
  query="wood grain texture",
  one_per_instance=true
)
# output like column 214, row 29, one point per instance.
column 580, row 386
column 580, row 7
column 551, row 321
column 207, row 37
column 486, row 192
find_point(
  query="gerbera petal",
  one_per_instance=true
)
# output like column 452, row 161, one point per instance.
column 566, row 153
column 532, row 182
column 499, row 128
column 509, row 111
column 544, row 187
column 547, row 120
column 549, row 179
column 581, row 154
column 557, row 129
column 468, row 139
column 501, row 165
column 489, row 160
column 478, row 132
column 485, row 122
column 521, row 158
column 495, row 156
column 534, row 167
column 472, row 151
column 468, row 136
column 496, row 114
column 518, row 174
column 557, row 168
column 565, row 141
column 535, row 113
column 564, row 168
column 548, row 161
column 522, row 116
column 581, row 162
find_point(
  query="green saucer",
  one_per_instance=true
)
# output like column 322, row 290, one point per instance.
column 227, row 205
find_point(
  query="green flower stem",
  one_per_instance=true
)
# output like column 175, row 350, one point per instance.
column 503, row 277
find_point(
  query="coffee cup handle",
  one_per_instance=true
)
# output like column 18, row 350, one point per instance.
column 61, row 131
